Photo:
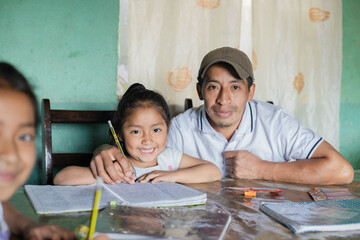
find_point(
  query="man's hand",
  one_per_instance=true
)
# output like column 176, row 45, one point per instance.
column 158, row 176
column 102, row 165
column 37, row 232
column 326, row 166
column 243, row 164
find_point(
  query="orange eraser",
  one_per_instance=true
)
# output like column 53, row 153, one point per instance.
column 250, row 194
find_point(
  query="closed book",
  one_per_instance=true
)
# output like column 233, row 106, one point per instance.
column 300, row 217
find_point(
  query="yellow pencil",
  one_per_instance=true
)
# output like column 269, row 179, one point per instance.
column 99, row 184
column 116, row 138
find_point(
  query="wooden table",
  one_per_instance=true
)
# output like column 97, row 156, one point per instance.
column 247, row 221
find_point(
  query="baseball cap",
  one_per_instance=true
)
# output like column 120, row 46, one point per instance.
column 233, row 56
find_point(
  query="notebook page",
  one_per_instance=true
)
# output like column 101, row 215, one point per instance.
column 159, row 194
column 60, row 199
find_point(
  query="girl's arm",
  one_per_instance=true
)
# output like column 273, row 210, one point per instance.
column 191, row 170
column 74, row 175
column 26, row 228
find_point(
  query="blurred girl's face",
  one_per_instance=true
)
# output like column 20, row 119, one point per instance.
column 145, row 133
column 17, row 141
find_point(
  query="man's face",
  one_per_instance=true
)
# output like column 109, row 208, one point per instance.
column 225, row 99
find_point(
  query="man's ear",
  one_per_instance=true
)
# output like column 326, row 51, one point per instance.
column 198, row 88
column 251, row 92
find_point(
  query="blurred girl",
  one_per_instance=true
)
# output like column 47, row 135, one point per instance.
column 18, row 121
column 141, row 122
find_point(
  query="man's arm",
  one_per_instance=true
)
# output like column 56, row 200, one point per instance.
column 26, row 228
column 326, row 166
column 102, row 164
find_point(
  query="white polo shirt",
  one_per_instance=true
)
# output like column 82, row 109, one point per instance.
column 265, row 130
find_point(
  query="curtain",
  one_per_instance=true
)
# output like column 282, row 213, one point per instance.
column 295, row 47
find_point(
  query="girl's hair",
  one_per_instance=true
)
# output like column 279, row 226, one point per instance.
column 12, row 79
column 138, row 96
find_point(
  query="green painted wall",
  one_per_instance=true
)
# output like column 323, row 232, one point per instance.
column 350, row 84
column 68, row 51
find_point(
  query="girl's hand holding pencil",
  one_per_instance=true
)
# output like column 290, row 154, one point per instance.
column 111, row 163
column 117, row 166
column 104, row 164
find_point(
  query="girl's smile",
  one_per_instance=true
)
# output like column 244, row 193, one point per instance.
column 147, row 150
column 7, row 176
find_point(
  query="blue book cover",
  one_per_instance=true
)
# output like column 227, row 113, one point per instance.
column 337, row 215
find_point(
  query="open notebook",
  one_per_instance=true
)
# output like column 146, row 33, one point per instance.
column 336, row 215
column 123, row 222
column 59, row 199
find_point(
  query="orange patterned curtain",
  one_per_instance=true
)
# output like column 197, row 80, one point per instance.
column 297, row 55
column 295, row 47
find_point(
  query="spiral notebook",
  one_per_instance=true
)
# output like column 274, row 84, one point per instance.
column 336, row 215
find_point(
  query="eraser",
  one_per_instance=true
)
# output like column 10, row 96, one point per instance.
column 250, row 194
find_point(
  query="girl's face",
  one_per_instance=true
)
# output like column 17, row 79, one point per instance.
column 17, row 141
column 145, row 133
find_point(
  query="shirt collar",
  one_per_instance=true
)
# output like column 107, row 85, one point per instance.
column 247, row 121
column 204, row 125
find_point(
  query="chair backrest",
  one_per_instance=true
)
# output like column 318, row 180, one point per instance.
column 51, row 116
column 188, row 103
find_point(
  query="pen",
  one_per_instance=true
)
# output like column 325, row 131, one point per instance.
column 116, row 138
column 99, row 183
column 256, row 189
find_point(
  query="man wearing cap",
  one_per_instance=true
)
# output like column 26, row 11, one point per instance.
column 245, row 138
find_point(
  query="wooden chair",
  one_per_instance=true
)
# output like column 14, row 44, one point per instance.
column 188, row 103
column 51, row 116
